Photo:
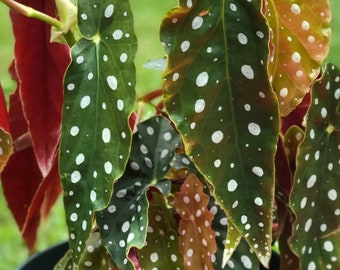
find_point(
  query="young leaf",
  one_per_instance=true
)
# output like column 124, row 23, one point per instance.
column 162, row 248
column 301, row 36
column 123, row 224
column 197, row 239
column 41, row 94
column 217, row 91
column 6, row 148
column 99, row 97
column 315, row 195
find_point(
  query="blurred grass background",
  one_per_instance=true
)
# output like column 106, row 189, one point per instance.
column 148, row 15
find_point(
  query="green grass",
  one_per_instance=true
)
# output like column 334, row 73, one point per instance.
column 148, row 14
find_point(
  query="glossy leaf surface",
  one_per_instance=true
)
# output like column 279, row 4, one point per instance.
column 301, row 37
column 123, row 224
column 5, row 138
column 99, row 97
column 217, row 91
column 197, row 239
column 243, row 257
column 315, row 195
column 161, row 250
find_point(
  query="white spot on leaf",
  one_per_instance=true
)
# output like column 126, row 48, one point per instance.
column 247, row 72
column 112, row 82
column 199, row 105
column 202, row 79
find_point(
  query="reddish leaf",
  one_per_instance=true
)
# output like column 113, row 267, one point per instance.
column 21, row 178
column 301, row 35
column 5, row 138
column 28, row 194
column 197, row 239
column 283, row 174
column 42, row 94
column 44, row 198
column 296, row 117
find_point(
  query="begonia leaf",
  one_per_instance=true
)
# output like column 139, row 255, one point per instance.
column 20, row 184
column 99, row 97
column 315, row 195
column 217, row 91
column 243, row 257
column 161, row 250
column 291, row 140
column 123, row 224
column 197, row 239
column 6, row 148
column 95, row 255
column 42, row 94
column 288, row 259
column 29, row 195
column 301, row 36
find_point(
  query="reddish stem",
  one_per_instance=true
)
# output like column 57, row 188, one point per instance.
column 152, row 95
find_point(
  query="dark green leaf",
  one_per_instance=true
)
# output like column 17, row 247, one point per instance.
column 123, row 224
column 315, row 195
column 162, row 248
column 217, row 91
column 99, row 97
column 243, row 257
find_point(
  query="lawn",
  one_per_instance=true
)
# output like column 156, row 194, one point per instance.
column 148, row 14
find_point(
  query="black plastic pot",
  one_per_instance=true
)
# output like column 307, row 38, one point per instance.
column 47, row 259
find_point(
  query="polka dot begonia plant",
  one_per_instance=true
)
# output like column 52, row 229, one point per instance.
column 237, row 155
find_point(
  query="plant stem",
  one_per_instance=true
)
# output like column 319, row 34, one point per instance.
column 32, row 13
column 151, row 96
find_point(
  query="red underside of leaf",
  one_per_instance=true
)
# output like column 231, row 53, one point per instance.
column 296, row 116
column 20, row 183
column 42, row 94
column 283, row 173
column 28, row 195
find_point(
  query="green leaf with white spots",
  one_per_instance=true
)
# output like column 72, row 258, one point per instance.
column 162, row 248
column 65, row 262
column 99, row 97
column 95, row 256
column 315, row 195
column 242, row 258
column 217, row 91
column 123, row 224
column 301, row 37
